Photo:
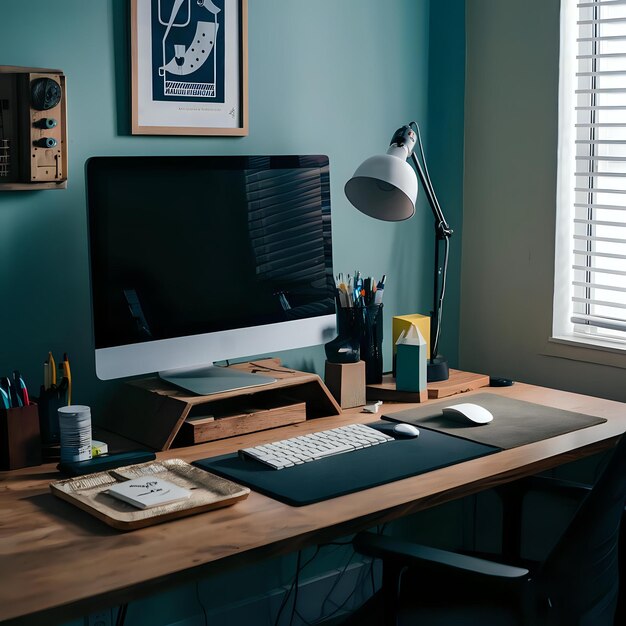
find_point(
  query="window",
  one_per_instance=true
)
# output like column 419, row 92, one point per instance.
column 590, row 268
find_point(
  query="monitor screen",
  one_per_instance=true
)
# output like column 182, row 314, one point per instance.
column 197, row 259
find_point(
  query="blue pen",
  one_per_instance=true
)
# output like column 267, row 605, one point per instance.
column 14, row 397
column 5, row 398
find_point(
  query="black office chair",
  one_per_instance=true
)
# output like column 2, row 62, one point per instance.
column 576, row 585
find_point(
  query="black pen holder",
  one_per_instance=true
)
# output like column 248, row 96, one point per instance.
column 345, row 347
column 371, row 340
column 49, row 402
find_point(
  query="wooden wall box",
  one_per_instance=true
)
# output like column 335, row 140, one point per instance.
column 346, row 381
column 151, row 411
column 33, row 129
column 20, row 442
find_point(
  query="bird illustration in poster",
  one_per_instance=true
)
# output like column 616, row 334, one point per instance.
column 188, row 50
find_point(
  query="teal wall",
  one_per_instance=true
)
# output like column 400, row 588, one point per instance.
column 326, row 77
column 334, row 77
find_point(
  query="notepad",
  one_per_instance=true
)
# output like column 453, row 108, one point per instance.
column 148, row 491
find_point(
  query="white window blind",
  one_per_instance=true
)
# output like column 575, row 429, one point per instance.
column 591, row 223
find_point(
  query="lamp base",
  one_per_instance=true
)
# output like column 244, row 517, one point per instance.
column 437, row 369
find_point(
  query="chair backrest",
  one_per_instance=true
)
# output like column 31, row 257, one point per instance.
column 580, row 576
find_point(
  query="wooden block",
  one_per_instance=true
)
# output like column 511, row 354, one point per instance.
column 211, row 427
column 346, row 381
column 20, row 440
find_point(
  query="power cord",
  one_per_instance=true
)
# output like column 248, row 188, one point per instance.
column 121, row 615
column 283, row 604
column 265, row 368
column 206, row 619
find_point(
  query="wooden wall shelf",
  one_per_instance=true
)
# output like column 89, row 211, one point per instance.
column 159, row 415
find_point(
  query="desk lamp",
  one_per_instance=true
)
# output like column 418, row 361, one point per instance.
column 385, row 187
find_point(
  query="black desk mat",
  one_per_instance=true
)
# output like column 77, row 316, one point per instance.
column 353, row 471
column 515, row 422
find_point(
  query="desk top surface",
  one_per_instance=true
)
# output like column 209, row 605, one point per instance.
column 54, row 557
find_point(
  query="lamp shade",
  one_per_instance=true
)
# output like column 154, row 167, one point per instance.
column 384, row 187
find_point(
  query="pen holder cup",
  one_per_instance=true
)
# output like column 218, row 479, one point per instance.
column 20, row 441
column 345, row 347
column 372, row 342
column 49, row 402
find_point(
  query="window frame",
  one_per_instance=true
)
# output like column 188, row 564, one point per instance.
column 564, row 340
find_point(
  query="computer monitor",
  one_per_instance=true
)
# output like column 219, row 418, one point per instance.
column 198, row 259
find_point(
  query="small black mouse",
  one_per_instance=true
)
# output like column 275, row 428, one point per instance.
column 494, row 381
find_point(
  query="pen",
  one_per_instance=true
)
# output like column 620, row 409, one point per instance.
column 52, row 367
column 380, row 290
column 67, row 373
column 20, row 387
column 11, row 392
column 5, row 398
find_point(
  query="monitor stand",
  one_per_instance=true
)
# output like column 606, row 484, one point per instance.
column 213, row 379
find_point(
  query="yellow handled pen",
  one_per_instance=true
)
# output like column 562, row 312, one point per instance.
column 52, row 367
column 67, row 373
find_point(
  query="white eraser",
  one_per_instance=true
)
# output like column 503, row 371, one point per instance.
column 372, row 408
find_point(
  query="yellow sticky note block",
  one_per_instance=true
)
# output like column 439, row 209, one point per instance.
column 404, row 322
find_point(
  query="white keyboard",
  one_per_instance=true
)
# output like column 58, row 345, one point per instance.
column 305, row 448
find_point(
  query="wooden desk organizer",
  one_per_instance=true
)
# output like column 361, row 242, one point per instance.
column 20, row 441
column 159, row 415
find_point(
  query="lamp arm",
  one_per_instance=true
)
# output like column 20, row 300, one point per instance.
column 402, row 145
column 443, row 232
column 441, row 225
column 405, row 138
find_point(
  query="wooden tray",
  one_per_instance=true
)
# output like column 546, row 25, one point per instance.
column 459, row 382
column 208, row 492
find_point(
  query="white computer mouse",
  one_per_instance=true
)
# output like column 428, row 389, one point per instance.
column 468, row 413
column 406, row 430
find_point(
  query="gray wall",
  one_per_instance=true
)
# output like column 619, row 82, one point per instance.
column 509, row 205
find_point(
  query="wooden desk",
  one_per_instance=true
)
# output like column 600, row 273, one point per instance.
column 57, row 562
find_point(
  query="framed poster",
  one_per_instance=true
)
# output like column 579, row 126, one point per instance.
column 189, row 67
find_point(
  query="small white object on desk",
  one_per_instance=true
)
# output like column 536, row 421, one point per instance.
column 372, row 408
column 98, row 448
column 407, row 431
column 148, row 491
